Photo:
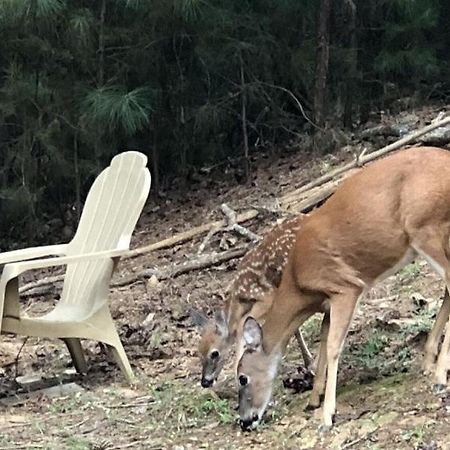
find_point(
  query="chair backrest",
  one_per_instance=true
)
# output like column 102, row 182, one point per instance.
column 111, row 211
column 113, row 205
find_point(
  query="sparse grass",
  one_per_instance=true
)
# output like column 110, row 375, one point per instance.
column 176, row 405
column 418, row 435
column 409, row 272
column 76, row 443
column 64, row 405
column 425, row 319
column 79, row 401
column 367, row 354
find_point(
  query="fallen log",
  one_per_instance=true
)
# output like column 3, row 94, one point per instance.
column 438, row 137
column 397, row 130
column 306, row 201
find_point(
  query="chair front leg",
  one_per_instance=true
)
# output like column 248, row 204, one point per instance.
column 9, row 300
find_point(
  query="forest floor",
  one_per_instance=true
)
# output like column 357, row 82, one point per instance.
column 383, row 401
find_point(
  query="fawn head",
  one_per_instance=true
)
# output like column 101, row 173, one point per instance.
column 256, row 372
column 214, row 344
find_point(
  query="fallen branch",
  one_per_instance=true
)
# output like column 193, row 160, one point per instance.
column 16, row 360
column 164, row 273
column 173, row 270
column 231, row 225
column 41, row 282
column 384, row 130
column 205, row 241
column 189, row 234
column 304, row 202
column 231, row 216
column 367, row 158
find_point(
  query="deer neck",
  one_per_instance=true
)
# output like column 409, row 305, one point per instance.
column 282, row 320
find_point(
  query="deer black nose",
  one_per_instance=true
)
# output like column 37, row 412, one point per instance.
column 247, row 423
column 206, row 383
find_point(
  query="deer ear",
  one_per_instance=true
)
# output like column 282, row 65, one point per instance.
column 198, row 318
column 221, row 322
column 252, row 334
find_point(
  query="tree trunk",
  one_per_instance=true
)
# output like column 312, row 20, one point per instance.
column 101, row 46
column 322, row 59
column 155, row 165
column 244, row 120
column 350, row 84
column 76, row 167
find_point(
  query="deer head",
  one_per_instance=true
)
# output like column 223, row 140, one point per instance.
column 214, row 344
column 256, row 372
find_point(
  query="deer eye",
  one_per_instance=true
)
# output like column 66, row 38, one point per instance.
column 243, row 380
column 214, row 354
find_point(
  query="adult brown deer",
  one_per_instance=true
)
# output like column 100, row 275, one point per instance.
column 377, row 221
column 258, row 274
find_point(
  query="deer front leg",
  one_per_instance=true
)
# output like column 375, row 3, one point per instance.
column 342, row 307
column 316, row 396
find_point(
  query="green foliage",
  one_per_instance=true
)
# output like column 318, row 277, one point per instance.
column 406, row 48
column 114, row 107
column 367, row 353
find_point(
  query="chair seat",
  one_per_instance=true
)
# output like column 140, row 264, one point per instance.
column 98, row 326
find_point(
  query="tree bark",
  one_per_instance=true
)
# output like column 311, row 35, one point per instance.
column 101, row 46
column 76, row 167
column 244, row 120
column 155, row 156
column 350, row 83
column 322, row 59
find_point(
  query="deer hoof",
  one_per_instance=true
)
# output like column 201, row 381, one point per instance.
column 323, row 429
column 439, row 388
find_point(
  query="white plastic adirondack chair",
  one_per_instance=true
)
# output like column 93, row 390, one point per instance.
column 110, row 213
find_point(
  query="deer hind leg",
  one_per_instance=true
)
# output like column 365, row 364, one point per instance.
column 432, row 343
column 435, row 251
column 342, row 308
column 318, row 391
column 306, row 354
column 442, row 364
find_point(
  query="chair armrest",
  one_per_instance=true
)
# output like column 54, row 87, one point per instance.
column 32, row 252
column 15, row 269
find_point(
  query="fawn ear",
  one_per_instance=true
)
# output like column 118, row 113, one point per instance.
column 221, row 322
column 252, row 334
column 198, row 318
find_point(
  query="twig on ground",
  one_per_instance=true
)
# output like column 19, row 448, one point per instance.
column 173, row 270
column 131, row 444
column 360, row 439
column 232, row 224
column 205, row 241
column 16, row 360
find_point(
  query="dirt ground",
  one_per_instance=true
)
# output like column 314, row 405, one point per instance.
column 384, row 402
